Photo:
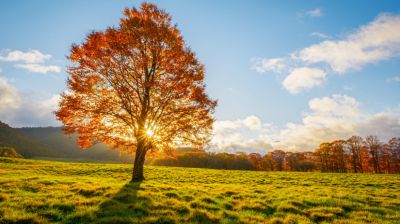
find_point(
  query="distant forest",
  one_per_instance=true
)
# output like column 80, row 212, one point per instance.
column 355, row 155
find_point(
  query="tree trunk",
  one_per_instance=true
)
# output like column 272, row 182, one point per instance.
column 354, row 160
column 137, row 174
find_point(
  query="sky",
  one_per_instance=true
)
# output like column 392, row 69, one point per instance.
column 286, row 74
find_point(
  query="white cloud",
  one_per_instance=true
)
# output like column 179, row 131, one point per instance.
column 341, row 105
column 303, row 78
column 32, row 56
column 26, row 109
column 39, row 68
column 376, row 41
column 32, row 61
column 36, row 110
column 233, row 136
column 236, row 142
column 9, row 97
column 328, row 119
column 317, row 12
column 320, row 35
column 337, row 117
column 276, row 65
column 251, row 122
column 46, row 106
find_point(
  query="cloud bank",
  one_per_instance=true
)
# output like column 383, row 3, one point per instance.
column 374, row 42
column 239, row 135
column 26, row 109
column 328, row 118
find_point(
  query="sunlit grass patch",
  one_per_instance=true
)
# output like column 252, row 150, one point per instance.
column 58, row 192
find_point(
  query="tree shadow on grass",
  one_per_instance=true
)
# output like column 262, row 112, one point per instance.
column 127, row 206
column 124, row 207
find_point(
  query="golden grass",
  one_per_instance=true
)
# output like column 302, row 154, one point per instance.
column 33, row 191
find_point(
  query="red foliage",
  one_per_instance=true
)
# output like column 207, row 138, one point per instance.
column 137, row 86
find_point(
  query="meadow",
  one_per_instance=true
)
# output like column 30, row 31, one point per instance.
column 35, row 191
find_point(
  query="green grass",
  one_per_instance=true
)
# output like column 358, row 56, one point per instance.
column 33, row 191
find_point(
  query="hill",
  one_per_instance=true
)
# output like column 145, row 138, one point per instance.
column 51, row 143
column 99, row 193
column 25, row 145
column 66, row 147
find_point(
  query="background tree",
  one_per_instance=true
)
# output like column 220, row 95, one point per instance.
column 299, row 161
column 394, row 155
column 269, row 164
column 137, row 88
column 323, row 153
column 354, row 146
column 384, row 159
column 291, row 160
column 278, row 159
column 338, row 157
column 257, row 161
column 351, row 155
column 374, row 148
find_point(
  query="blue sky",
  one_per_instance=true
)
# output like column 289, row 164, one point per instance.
column 259, row 106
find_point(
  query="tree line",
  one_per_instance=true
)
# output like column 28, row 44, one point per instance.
column 355, row 155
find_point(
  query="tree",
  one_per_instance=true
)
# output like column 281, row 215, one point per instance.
column 299, row 161
column 323, row 153
column 338, row 157
column 278, row 158
column 354, row 146
column 269, row 165
column 137, row 88
column 291, row 160
column 257, row 161
column 374, row 148
column 393, row 148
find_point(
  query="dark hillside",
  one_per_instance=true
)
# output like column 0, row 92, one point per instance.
column 51, row 143
column 64, row 146
column 25, row 145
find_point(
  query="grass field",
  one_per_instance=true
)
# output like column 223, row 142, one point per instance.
column 33, row 191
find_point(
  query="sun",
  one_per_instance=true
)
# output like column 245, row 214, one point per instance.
column 149, row 132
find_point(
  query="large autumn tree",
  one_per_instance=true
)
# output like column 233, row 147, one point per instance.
column 137, row 88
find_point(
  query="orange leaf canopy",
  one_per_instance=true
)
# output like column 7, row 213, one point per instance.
column 137, row 82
